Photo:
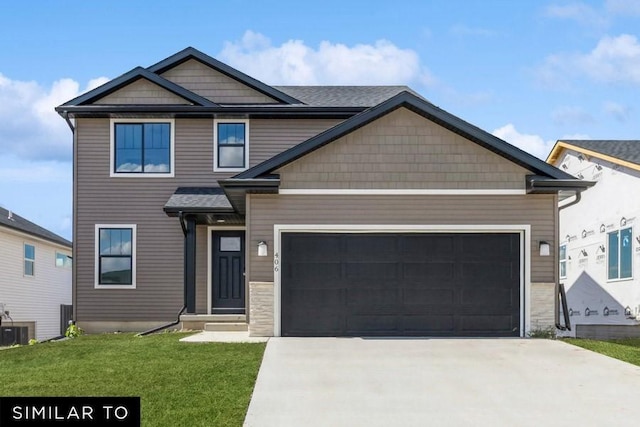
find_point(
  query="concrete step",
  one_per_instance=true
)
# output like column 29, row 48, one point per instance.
column 217, row 318
column 226, row 326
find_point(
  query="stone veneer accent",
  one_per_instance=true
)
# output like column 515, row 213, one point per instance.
column 543, row 305
column 261, row 309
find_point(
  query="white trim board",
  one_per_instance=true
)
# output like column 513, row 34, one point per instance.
column 399, row 192
column 211, row 228
column 525, row 254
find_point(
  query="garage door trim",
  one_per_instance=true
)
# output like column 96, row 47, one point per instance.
column 525, row 254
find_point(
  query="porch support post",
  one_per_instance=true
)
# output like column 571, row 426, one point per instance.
column 190, row 265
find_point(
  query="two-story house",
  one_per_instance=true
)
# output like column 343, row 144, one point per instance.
column 203, row 193
column 599, row 249
column 35, row 277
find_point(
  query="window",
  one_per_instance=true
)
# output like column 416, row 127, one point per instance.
column 563, row 261
column 620, row 258
column 63, row 260
column 142, row 148
column 231, row 145
column 29, row 259
column 115, row 256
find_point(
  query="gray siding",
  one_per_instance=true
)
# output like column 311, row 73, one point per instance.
column 104, row 200
column 536, row 210
column 142, row 92
column 403, row 150
column 213, row 85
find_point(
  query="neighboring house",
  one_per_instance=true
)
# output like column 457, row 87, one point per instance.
column 599, row 237
column 303, row 210
column 35, row 275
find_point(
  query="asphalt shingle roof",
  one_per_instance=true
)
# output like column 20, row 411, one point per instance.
column 19, row 223
column 199, row 198
column 627, row 150
column 343, row 96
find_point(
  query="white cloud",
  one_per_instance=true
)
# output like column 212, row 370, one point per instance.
column 623, row 7
column 295, row 63
column 29, row 126
column 532, row 144
column 612, row 60
column 579, row 12
column 571, row 115
column 619, row 112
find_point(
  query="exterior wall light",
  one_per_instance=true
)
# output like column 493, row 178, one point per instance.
column 262, row 248
column 545, row 248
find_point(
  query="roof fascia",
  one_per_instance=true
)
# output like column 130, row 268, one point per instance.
column 192, row 53
column 62, row 243
column 419, row 106
column 130, row 77
column 561, row 146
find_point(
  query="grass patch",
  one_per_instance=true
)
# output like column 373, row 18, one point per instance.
column 190, row 384
column 627, row 350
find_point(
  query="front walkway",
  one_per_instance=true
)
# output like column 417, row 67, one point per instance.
column 440, row 382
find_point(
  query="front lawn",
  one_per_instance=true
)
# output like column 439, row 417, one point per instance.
column 627, row 349
column 180, row 384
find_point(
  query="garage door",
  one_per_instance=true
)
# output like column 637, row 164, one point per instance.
column 405, row 284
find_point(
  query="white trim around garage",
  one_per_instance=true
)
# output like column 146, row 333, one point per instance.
column 400, row 192
column 525, row 254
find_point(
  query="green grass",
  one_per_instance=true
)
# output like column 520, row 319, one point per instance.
column 180, row 384
column 627, row 349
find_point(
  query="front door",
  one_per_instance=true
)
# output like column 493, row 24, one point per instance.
column 228, row 290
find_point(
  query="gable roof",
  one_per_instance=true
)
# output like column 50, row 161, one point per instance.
column 423, row 108
column 192, row 53
column 130, row 77
column 343, row 96
column 16, row 222
column 622, row 152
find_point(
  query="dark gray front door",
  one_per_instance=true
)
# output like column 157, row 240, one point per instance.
column 228, row 272
column 405, row 284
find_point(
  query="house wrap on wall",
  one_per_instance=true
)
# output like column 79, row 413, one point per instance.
column 303, row 211
column 599, row 250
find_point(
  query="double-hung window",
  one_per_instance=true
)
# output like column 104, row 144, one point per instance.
column 230, row 145
column 115, row 256
column 29, row 260
column 620, row 255
column 563, row 261
column 142, row 147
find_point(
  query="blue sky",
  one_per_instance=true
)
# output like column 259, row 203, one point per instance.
column 528, row 71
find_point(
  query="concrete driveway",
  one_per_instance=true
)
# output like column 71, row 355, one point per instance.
column 440, row 382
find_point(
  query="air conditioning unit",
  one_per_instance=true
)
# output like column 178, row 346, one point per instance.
column 10, row 335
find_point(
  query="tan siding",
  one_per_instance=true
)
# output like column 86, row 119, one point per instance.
column 536, row 210
column 403, row 150
column 101, row 199
column 213, row 85
column 142, row 92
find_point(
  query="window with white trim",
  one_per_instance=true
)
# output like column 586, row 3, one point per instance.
column 563, row 261
column 620, row 254
column 142, row 147
column 29, row 260
column 115, row 256
column 63, row 260
column 230, row 145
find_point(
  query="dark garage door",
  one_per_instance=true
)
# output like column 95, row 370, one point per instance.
column 405, row 284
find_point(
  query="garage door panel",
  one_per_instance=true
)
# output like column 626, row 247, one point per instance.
column 440, row 284
column 428, row 296
column 428, row 270
column 365, row 270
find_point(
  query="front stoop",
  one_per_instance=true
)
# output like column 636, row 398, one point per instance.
column 214, row 322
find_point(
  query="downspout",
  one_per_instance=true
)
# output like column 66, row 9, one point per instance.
column 560, row 292
column 65, row 116
column 577, row 200
column 184, row 295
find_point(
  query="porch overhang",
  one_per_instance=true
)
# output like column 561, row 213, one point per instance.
column 236, row 189
column 207, row 205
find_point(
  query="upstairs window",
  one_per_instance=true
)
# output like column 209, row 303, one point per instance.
column 620, row 255
column 63, row 260
column 142, row 148
column 29, row 259
column 563, row 261
column 231, row 145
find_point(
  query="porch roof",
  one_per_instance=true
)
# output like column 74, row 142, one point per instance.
column 209, row 205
